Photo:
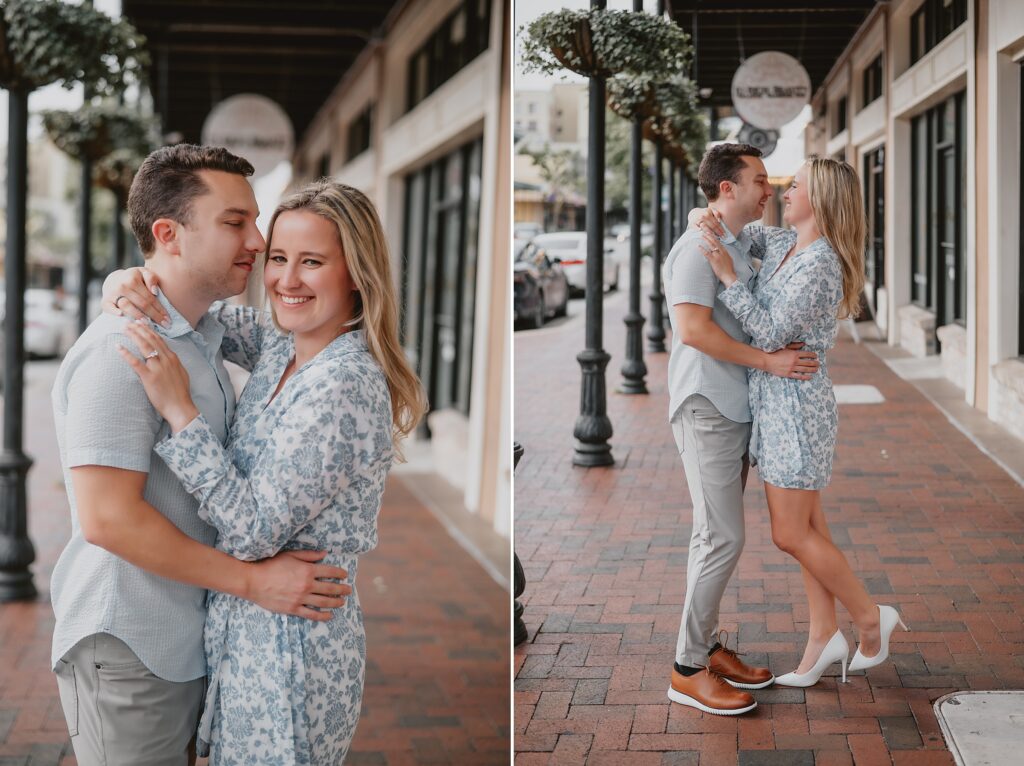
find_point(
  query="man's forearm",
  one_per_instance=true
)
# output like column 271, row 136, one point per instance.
column 146, row 538
column 712, row 340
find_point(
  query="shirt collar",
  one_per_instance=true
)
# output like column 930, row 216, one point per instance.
column 209, row 328
column 742, row 242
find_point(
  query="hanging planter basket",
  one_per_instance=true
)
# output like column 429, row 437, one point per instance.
column 117, row 170
column 47, row 41
column 95, row 130
column 633, row 97
column 599, row 43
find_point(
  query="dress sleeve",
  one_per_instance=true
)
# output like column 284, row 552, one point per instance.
column 813, row 291
column 326, row 449
column 244, row 330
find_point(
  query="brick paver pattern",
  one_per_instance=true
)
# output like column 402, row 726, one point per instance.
column 437, row 634
column 931, row 524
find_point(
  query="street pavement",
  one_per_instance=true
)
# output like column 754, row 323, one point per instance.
column 437, row 626
column 929, row 523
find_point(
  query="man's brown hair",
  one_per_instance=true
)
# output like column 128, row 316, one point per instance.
column 168, row 182
column 723, row 163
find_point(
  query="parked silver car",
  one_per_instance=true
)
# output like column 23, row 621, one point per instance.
column 569, row 248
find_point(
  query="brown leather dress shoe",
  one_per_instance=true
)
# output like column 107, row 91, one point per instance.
column 735, row 671
column 707, row 691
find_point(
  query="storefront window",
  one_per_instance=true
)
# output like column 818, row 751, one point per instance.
column 874, row 205
column 839, row 118
column 442, row 210
column 938, row 229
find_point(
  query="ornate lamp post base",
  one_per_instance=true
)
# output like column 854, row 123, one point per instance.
column 593, row 428
column 16, row 549
column 634, row 370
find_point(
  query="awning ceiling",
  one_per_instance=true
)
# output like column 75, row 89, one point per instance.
column 292, row 51
column 726, row 31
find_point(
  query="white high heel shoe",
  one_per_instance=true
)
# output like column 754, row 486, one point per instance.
column 836, row 650
column 888, row 619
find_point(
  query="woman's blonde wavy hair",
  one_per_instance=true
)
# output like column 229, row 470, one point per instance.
column 376, row 311
column 835, row 197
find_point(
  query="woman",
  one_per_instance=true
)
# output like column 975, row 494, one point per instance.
column 810, row 276
column 314, row 435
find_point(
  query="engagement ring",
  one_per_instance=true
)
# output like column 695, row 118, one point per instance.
column 153, row 354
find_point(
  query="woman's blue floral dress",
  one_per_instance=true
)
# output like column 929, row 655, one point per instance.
column 793, row 435
column 305, row 471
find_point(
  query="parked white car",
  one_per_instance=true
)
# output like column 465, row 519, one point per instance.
column 570, row 249
column 50, row 328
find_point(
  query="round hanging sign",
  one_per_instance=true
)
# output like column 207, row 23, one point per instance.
column 769, row 89
column 253, row 127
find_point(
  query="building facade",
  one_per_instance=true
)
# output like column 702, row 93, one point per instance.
column 420, row 123
column 926, row 102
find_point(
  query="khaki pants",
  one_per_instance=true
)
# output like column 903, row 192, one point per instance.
column 119, row 713
column 713, row 449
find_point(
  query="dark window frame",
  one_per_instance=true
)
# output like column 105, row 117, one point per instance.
column 840, row 116
column 444, row 54
column 872, row 82
column 874, row 206
column 938, row 266
column 359, row 133
column 933, row 22
column 439, row 278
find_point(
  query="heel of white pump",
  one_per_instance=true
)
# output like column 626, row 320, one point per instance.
column 900, row 620
column 845, row 659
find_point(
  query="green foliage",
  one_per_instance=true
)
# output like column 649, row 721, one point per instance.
column 47, row 41
column 95, row 130
column 678, row 124
column 598, row 42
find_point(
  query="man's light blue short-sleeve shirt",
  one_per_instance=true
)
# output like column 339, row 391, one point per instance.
column 688, row 278
column 103, row 417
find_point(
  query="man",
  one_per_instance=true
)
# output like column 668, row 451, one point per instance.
column 129, row 588
column 710, row 417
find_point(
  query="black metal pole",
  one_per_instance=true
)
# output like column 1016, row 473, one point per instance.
column 85, row 247
column 633, row 369
column 593, row 428
column 671, row 205
column 118, row 231
column 656, row 328
column 16, row 549
column 684, row 203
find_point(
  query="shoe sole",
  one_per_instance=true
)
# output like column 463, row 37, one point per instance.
column 738, row 685
column 684, row 699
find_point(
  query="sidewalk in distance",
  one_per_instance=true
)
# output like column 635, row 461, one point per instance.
column 437, row 630
column 929, row 523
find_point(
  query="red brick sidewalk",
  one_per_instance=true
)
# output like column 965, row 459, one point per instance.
column 931, row 525
column 437, row 634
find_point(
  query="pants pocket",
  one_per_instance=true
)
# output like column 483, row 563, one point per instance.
column 67, row 687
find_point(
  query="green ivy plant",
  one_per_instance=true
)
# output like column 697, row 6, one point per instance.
column 599, row 43
column 47, row 41
column 677, row 123
column 95, row 130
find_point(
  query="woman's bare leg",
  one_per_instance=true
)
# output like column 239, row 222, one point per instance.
column 792, row 511
column 820, row 601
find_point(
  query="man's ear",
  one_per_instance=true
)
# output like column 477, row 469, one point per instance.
column 165, row 232
column 725, row 189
